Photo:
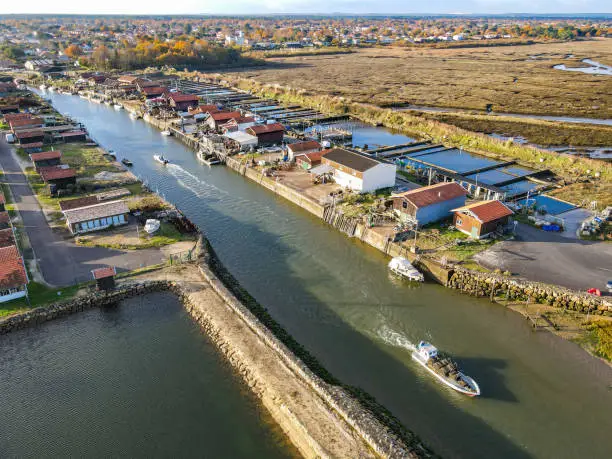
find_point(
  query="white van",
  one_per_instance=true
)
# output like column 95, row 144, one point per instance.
column 10, row 138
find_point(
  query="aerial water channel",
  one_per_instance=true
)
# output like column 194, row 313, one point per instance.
column 542, row 397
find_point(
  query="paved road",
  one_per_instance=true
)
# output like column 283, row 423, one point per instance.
column 548, row 257
column 61, row 261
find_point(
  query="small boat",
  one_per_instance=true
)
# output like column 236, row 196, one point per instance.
column 107, row 102
column 127, row 162
column 134, row 115
column 166, row 133
column 160, row 159
column 151, row 225
column 118, row 106
column 43, row 87
column 402, row 267
column 444, row 369
column 209, row 160
column 112, row 153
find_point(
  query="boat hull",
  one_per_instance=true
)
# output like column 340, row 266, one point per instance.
column 417, row 358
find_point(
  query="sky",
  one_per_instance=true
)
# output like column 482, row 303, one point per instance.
column 238, row 7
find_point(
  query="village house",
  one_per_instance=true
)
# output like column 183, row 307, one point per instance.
column 13, row 276
column 96, row 217
column 182, row 102
column 481, row 219
column 25, row 123
column 153, row 92
column 309, row 160
column 73, row 136
column 217, row 118
column 241, row 123
column 104, row 277
column 242, row 140
column 302, row 148
column 128, row 80
column 267, row 134
column 430, row 203
column 46, row 159
column 58, row 177
column 36, row 136
column 358, row 172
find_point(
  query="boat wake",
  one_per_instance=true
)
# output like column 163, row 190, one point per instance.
column 193, row 183
column 394, row 338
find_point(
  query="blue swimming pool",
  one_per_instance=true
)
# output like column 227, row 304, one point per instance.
column 551, row 205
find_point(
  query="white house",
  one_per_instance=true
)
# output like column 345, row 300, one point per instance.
column 13, row 276
column 97, row 216
column 358, row 172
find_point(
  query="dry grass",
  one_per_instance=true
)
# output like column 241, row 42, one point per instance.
column 506, row 77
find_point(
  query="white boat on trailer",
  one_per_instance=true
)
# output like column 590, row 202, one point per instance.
column 402, row 267
column 160, row 159
column 444, row 369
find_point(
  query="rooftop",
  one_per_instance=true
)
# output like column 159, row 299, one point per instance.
column 487, row 211
column 100, row 210
column 6, row 237
column 29, row 134
column 46, row 155
column 304, row 146
column 102, row 273
column 12, row 272
column 428, row 195
column 350, row 159
column 266, row 128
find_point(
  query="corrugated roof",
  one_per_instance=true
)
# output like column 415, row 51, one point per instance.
column 29, row 134
column 102, row 210
column 77, row 203
column 101, row 273
column 46, row 155
column 304, row 146
column 428, row 195
column 6, row 237
column 56, row 173
column 8, row 253
column 223, row 116
column 266, row 128
column 487, row 211
column 350, row 159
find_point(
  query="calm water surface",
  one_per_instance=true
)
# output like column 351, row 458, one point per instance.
column 542, row 397
column 135, row 380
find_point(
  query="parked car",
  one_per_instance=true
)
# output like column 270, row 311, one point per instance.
column 10, row 138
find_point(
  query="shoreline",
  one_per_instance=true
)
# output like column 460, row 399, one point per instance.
column 321, row 419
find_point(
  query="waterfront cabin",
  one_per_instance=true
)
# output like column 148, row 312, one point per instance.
column 104, row 277
column 216, row 118
column 153, row 92
column 46, row 159
column 242, row 140
column 429, row 204
column 481, row 219
column 302, row 148
column 309, row 160
column 96, row 217
column 358, row 172
column 268, row 134
column 25, row 138
column 26, row 123
column 13, row 276
column 58, row 177
column 182, row 102
column 73, row 136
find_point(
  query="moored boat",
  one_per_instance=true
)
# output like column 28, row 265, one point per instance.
column 444, row 369
column 208, row 159
column 152, row 225
column 402, row 267
column 166, row 132
column 127, row 162
column 160, row 159
column 118, row 106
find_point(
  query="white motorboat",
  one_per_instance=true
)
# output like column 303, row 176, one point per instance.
column 134, row 115
column 166, row 132
column 151, row 225
column 160, row 159
column 118, row 106
column 444, row 369
column 112, row 153
column 402, row 267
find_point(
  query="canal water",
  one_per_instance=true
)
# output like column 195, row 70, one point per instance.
column 135, row 380
column 542, row 397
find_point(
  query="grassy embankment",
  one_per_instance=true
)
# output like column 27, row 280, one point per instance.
column 572, row 169
column 298, row 52
column 540, row 132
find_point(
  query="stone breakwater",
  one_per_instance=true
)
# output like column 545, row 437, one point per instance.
column 321, row 419
column 493, row 285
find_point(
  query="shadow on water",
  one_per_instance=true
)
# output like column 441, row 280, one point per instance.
column 489, row 370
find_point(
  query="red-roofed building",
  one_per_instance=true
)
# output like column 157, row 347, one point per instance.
column 8, row 109
column 7, row 238
column 26, row 124
column 481, row 219
column 240, row 123
column 430, row 203
column 46, row 159
column 309, row 160
column 182, row 102
column 29, row 137
column 59, row 176
column 16, row 116
column 268, row 134
column 5, row 220
column 13, row 276
column 302, row 148
column 152, row 92
column 216, row 119
column 73, row 136
column 104, row 277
